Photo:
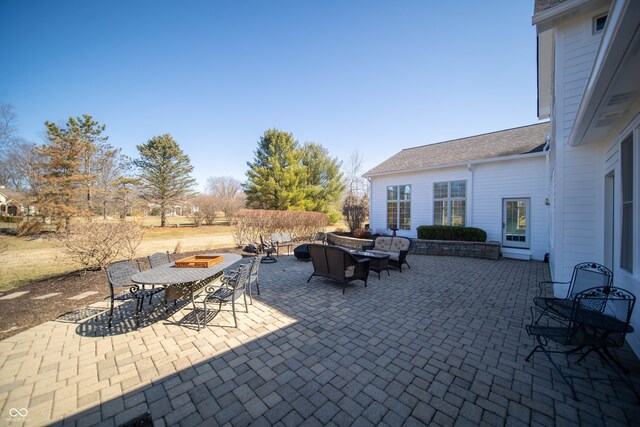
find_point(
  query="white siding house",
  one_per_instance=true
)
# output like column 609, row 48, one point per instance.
column 589, row 86
column 496, row 182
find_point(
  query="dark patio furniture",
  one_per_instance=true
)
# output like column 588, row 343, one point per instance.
column 377, row 262
column 232, row 288
column 585, row 275
column 158, row 259
column 281, row 240
column 185, row 283
column 302, row 252
column 119, row 275
column 337, row 263
column 396, row 247
column 268, row 250
column 596, row 320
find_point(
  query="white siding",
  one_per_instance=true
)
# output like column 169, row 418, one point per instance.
column 524, row 178
column 579, row 183
column 487, row 185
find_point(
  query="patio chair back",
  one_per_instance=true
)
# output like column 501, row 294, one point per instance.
column 158, row 259
column 329, row 261
column 119, row 274
column 589, row 275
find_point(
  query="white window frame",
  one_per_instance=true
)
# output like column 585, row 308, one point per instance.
column 449, row 200
column 398, row 201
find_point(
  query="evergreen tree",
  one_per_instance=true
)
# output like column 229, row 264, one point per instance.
column 63, row 169
column 165, row 172
column 324, row 186
column 276, row 177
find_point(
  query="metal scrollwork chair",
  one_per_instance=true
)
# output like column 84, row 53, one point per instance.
column 119, row 276
column 596, row 320
column 232, row 288
column 585, row 276
column 159, row 258
column 268, row 250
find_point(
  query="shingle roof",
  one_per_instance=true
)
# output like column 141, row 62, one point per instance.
column 522, row 140
column 542, row 5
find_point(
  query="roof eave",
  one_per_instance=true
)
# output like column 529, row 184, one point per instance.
column 458, row 164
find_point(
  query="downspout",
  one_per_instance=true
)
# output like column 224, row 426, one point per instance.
column 547, row 200
column 469, row 207
column 370, row 203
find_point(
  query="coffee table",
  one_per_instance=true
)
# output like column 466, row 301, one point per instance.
column 377, row 262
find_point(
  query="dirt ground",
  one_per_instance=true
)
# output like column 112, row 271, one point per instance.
column 24, row 312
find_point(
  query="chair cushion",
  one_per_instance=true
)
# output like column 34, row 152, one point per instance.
column 348, row 272
column 399, row 244
column 383, row 243
column 392, row 255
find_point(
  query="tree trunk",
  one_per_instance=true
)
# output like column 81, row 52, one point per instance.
column 163, row 216
column 104, row 209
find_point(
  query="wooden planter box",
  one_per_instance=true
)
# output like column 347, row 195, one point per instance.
column 199, row 261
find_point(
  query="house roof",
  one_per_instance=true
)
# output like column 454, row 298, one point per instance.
column 12, row 194
column 509, row 142
column 542, row 5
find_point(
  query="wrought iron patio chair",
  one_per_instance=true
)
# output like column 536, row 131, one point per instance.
column 119, row 276
column 159, row 258
column 231, row 288
column 282, row 240
column 596, row 320
column 267, row 248
column 585, row 275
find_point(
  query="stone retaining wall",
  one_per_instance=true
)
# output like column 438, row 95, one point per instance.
column 485, row 250
column 347, row 242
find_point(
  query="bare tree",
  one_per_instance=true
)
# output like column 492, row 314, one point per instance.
column 354, row 181
column 7, row 120
column 228, row 195
column 111, row 165
column 223, row 186
column 355, row 206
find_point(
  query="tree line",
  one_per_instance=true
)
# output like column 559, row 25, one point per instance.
column 76, row 172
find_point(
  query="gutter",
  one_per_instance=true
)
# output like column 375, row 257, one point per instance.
column 465, row 163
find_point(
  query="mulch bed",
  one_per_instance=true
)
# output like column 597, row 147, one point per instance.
column 21, row 313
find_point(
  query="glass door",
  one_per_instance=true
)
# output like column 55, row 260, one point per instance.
column 515, row 223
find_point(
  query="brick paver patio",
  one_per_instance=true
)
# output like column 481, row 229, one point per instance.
column 441, row 344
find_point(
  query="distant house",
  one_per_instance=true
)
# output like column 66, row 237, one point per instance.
column 14, row 203
column 496, row 181
column 589, row 88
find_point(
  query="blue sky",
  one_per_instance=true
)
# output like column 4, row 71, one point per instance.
column 371, row 76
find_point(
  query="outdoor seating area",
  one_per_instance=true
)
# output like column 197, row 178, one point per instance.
column 434, row 345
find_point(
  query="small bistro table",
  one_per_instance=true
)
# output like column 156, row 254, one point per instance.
column 377, row 262
column 182, row 283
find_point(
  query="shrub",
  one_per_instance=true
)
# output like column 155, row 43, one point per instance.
column 96, row 244
column 29, row 227
column 355, row 210
column 448, row 232
column 14, row 219
column 251, row 223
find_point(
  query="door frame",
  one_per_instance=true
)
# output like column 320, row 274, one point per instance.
column 509, row 244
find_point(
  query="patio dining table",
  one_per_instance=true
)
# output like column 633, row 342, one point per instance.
column 183, row 283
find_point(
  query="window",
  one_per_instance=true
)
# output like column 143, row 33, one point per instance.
column 598, row 23
column 450, row 203
column 626, row 249
column 399, row 207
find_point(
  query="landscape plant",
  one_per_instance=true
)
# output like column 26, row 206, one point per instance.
column 165, row 172
column 451, row 232
column 250, row 224
column 96, row 244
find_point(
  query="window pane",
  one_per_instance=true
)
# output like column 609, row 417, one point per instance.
column 392, row 215
column 440, row 212
column 440, row 190
column 626, row 244
column 392, row 193
column 458, row 212
column 405, row 192
column 405, row 215
column 458, row 188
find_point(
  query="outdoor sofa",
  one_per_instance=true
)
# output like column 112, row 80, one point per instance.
column 337, row 263
column 396, row 247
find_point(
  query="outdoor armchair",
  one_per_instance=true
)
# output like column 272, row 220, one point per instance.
column 231, row 289
column 337, row 263
column 159, row 258
column 119, row 276
column 596, row 320
column 585, row 276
